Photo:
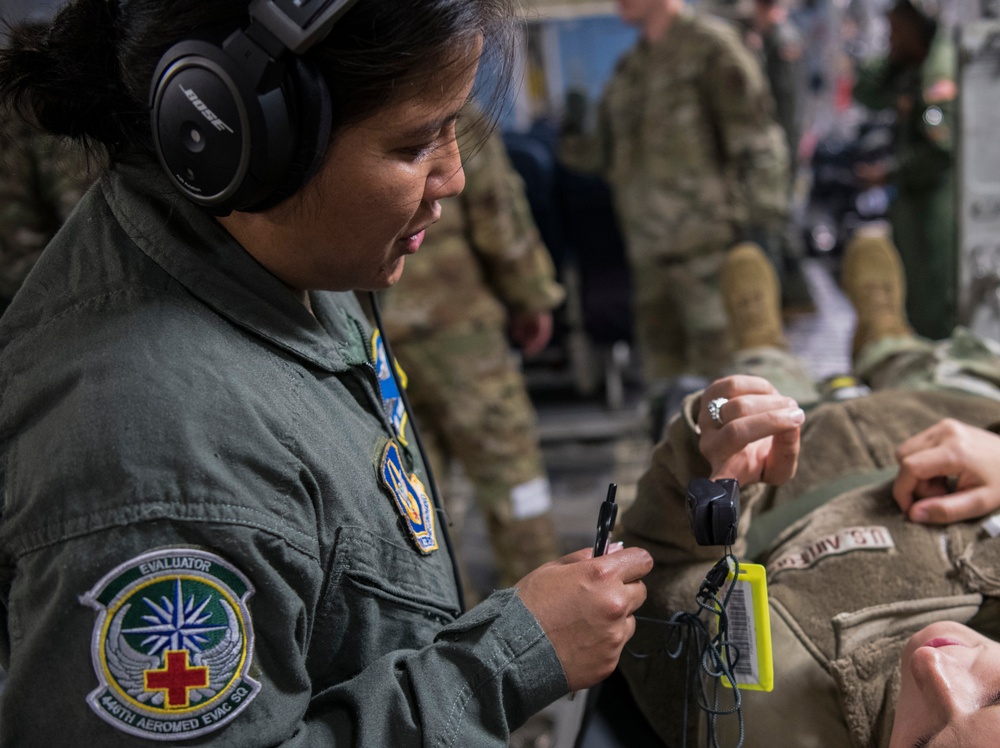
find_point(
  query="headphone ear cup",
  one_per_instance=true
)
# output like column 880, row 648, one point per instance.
column 224, row 140
column 312, row 119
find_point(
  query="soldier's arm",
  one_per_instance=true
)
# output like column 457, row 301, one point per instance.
column 588, row 152
column 752, row 144
column 929, row 159
column 503, row 234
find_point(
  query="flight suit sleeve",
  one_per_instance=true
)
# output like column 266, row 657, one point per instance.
column 928, row 159
column 752, row 145
column 483, row 674
column 503, row 233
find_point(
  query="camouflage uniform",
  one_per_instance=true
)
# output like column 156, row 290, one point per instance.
column 447, row 320
column 41, row 180
column 687, row 140
column 923, row 213
column 836, row 643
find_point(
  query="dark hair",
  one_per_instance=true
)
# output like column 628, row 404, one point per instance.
column 925, row 23
column 88, row 74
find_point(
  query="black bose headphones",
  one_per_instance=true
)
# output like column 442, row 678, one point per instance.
column 244, row 124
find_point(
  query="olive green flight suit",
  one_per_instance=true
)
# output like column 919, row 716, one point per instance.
column 169, row 404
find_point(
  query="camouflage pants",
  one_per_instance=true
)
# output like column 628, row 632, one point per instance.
column 961, row 362
column 680, row 323
column 471, row 404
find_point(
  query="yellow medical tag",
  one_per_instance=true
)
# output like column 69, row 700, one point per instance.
column 750, row 628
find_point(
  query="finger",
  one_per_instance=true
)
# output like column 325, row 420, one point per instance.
column 576, row 556
column 920, row 466
column 929, row 489
column 743, row 431
column 954, row 507
column 637, row 595
column 737, row 385
column 628, row 565
column 784, row 458
column 926, row 439
column 746, row 406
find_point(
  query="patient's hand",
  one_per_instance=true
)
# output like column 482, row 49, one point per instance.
column 759, row 438
column 967, row 456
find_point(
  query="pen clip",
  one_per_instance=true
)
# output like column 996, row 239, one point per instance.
column 606, row 521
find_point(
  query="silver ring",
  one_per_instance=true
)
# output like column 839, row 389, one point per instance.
column 714, row 410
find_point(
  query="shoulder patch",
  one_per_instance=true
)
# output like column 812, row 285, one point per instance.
column 411, row 499
column 392, row 399
column 172, row 645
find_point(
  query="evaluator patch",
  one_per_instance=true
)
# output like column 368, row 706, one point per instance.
column 172, row 645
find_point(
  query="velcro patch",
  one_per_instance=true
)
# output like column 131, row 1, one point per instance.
column 172, row 645
column 849, row 539
column 411, row 499
column 392, row 398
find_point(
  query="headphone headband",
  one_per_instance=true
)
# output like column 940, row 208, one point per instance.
column 299, row 24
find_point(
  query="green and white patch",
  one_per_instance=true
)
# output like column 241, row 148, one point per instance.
column 173, row 644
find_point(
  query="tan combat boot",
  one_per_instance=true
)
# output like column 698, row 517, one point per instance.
column 752, row 298
column 873, row 279
column 522, row 545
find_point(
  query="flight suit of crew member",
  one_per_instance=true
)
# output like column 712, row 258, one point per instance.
column 923, row 213
column 849, row 577
column 686, row 138
column 41, row 180
column 481, row 264
column 299, row 515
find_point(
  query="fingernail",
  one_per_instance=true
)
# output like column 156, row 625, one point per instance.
column 615, row 547
column 918, row 514
column 797, row 416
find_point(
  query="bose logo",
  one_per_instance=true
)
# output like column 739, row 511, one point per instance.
column 207, row 113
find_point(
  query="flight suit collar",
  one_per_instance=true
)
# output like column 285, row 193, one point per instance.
column 205, row 259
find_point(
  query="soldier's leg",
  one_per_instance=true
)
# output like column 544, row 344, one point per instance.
column 658, row 329
column 696, row 286
column 487, row 421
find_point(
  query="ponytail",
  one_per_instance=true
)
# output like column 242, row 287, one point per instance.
column 64, row 77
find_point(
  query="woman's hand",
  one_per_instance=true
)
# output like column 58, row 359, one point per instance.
column 585, row 605
column 950, row 452
column 759, row 438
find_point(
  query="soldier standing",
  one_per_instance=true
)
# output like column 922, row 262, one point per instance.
column 41, row 179
column 687, row 140
column 482, row 270
column 917, row 79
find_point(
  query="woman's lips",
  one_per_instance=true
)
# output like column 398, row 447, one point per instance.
column 941, row 641
column 412, row 243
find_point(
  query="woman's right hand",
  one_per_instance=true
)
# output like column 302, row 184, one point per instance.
column 759, row 436
column 948, row 473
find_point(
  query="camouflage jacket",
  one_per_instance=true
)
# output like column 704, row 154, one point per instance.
column 41, row 179
column 687, row 138
column 483, row 259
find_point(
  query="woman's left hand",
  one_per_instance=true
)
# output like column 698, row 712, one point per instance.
column 759, row 436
